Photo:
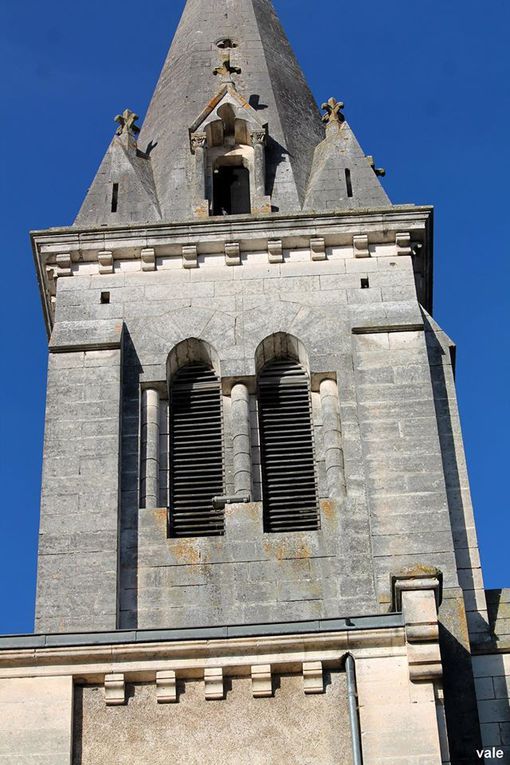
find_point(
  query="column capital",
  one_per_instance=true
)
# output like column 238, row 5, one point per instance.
column 258, row 136
column 416, row 578
column 198, row 141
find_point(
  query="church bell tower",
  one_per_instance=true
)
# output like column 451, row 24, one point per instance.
column 257, row 542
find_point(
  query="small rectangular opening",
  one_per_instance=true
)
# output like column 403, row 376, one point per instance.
column 115, row 197
column 105, row 297
column 365, row 284
column 348, row 182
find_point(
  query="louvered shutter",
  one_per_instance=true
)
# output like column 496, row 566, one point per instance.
column 288, row 467
column 196, row 459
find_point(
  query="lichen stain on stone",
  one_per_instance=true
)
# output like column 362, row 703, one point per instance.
column 160, row 517
column 187, row 552
column 287, row 549
column 327, row 509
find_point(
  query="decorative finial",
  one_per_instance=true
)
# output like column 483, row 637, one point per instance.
column 333, row 109
column 226, row 69
column 126, row 122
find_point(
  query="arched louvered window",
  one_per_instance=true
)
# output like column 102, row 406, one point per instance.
column 196, row 452
column 286, row 439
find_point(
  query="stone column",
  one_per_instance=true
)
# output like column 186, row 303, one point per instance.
column 198, row 142
column 150, row 448
column 258, row 138
column 241, row 438
column 332, row 437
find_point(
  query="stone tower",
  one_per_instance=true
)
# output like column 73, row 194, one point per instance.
column 255, row 507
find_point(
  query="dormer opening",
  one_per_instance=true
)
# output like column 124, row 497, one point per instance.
column 231, row 187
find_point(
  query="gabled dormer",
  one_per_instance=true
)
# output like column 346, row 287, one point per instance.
column 228, row 141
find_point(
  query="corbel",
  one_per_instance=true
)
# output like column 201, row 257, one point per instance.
column 232, row 254
column 261, row 680
column 63, row 263
column 105, row 260
column 213, row 683
column 313, row 678
column 114, row 689
column 275, row 251
column 317, row 248
column 148, row 259
column 417, row 593
column 166, row 687
column 403, row 242
column 189, row 256
column 360, row 246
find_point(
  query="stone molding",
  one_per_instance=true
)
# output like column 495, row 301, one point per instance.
column 189, row 256
column 148, row 259
column 66, row 251
column 313, row 679
column 275, row 251
column 261, row 680
column 232, row 254
column 360, row 246
column 166, row 687
column 105, row 260
column 318, row 248
column 403, row 242
column 213, row 683
column 189, row 658
column 114, row 689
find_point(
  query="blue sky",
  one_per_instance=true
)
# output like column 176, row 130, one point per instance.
column 426, row 91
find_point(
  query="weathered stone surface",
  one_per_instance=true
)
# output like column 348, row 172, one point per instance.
column 290, row 729
column 36, row 720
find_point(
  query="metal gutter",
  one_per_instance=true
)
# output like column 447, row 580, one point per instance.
column 10, row 642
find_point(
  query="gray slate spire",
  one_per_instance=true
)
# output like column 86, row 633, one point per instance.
column 238, row 45
column 270, row 80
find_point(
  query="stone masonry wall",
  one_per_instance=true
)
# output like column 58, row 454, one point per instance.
column 395, row 512
column 78, row 537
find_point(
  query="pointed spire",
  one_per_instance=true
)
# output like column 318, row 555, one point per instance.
column 342, row 177
column 231, row 79
column 123, row 190
column 241, row 41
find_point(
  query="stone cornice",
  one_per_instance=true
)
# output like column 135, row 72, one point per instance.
column 60, row 252
column 189, row 658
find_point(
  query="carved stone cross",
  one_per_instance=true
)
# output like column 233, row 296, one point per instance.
column 126, row 122
column 226, row 68
column 333, row 109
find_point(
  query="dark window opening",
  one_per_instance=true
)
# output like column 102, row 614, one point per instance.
column 115, row 197
column 365, row 284
column 196, row 453
column 348, row 182
column 231, row 190
column 287, row 453
column 105, row 297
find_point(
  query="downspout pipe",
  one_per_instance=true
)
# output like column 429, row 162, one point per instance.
column 352, row 698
